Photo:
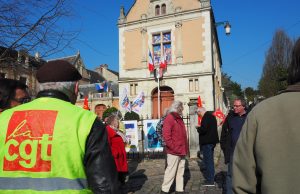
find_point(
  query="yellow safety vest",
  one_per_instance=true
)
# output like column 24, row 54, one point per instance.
column 42, row 146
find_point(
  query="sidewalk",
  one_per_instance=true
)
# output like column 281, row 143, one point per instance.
column 145, row 177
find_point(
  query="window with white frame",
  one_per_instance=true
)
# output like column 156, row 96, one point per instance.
column 161, row 43
column 133, row 89
column 194, row 85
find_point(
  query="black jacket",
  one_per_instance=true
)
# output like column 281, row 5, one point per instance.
column 232, row 121
column 208, row 131
column 99, row 164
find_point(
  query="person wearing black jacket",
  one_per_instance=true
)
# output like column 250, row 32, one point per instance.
column 208, row 138
column 230, row 133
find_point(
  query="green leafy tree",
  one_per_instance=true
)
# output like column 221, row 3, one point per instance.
column 232, row 89
column 277, row 59
column 250, row 94
column 131, row 116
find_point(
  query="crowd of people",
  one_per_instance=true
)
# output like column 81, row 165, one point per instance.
column 49, row 144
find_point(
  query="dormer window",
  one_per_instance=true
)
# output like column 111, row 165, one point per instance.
column 163, row 9
column 157, row 10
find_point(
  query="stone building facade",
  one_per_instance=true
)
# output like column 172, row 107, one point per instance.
column 185, row 31
column 19, row 65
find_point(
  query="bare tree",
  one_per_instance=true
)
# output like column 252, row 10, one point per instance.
column 277, row 59
column 32, row 26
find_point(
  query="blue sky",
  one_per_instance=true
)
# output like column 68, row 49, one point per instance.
column 253, row 26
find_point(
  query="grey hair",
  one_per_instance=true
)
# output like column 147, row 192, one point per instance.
column 111, row 118
column 175, row 106
column 68, row 88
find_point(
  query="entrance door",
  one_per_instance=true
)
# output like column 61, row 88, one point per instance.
column 166, row 99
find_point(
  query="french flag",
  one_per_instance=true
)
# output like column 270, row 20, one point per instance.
column 150, row 62
column 102, row 86
column 163, row 61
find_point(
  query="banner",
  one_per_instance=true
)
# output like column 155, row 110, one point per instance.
column 131, row 133
column 151, row 140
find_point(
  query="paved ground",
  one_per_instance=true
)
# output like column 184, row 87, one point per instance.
column 146, row 176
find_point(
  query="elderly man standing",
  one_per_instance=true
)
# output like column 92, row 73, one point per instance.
column 208, row 138
column 51, row 145
column 175, row 137
column 266, row 157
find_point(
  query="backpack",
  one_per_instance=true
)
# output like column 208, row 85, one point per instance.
column 159, row 130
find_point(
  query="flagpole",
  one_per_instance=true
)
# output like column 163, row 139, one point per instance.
column 158, row 91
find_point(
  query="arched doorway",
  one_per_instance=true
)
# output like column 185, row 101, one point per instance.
column 99, row 109
column 166, row 99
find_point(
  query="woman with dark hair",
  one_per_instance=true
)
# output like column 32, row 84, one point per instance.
column 12, row 93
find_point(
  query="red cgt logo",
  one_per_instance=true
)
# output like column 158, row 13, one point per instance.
column 29, row 141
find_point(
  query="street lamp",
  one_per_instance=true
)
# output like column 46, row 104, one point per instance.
column 226, row 25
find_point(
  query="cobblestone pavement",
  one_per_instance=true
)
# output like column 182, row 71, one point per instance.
column 145, row 177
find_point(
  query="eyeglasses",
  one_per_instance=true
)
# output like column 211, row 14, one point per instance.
column 22, row 100
column 237, row 105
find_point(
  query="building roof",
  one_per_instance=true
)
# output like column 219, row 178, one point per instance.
column 12, row 55
column 95, row 77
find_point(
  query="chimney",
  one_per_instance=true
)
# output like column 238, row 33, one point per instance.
column 103, row 66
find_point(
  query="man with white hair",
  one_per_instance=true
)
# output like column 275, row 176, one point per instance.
column 208, row 138
column 175, row 137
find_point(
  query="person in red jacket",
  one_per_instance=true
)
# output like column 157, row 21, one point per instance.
column 117, row 141
column 175, row 137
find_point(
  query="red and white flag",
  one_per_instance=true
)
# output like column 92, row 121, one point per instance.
column 150, row 62
column 219, row 114
column 163, row 61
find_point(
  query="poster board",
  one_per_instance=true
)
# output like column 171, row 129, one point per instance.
column 131, row 133
column 151, row 142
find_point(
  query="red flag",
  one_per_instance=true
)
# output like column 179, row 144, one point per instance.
column 150, row 62
column 86, row 103
column 199, row 102
column 219, row 114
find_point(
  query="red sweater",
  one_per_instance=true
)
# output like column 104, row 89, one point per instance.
column 174, row 135
column 118, row 149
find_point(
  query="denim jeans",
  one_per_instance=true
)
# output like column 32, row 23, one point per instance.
column 229, row 177
column 208, row 159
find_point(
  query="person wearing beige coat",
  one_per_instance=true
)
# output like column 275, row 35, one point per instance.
column 267, row 155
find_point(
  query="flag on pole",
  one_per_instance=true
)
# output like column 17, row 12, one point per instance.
column 219, row 114
column 101, row 86
column 124, row 101
column 163, row 60
column 199, row 104
column 86, row 103
column 138, row 103
column 150, row 62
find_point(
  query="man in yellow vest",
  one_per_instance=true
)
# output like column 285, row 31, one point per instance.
column 49, row 145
